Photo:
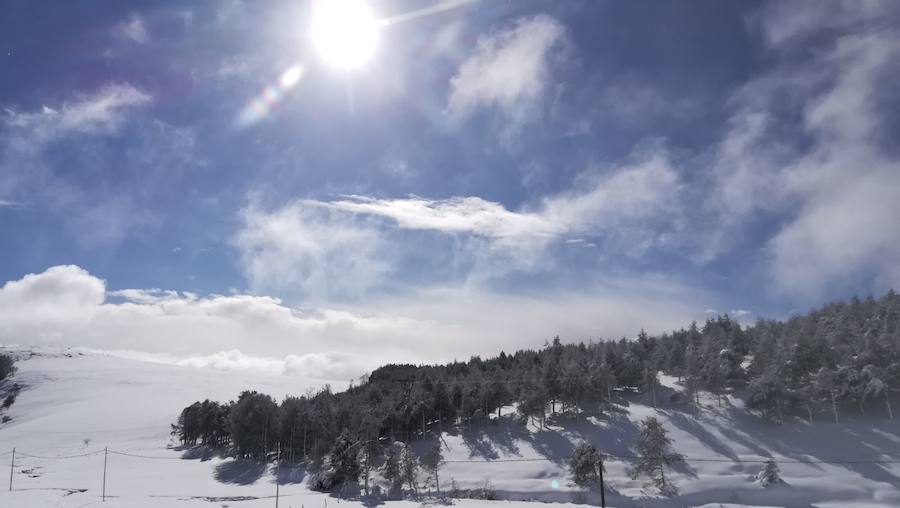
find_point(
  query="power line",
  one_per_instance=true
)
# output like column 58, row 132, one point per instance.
column 144, row 456
column 93, row 431
column 537, row 459
column 97, row 452
column 682, row 459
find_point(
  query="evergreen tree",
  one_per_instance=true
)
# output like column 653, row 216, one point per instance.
column 824, row 389
column 392, row 470
column 409, row 469
column 343, row 462
column 769, row 475
column 768, row 395
column 431, row 463
column 877, row 387
column 693, row 374
column 253, row 425
column 654, row 455
column 586, row 465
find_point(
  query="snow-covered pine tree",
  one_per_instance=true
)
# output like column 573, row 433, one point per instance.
column 824, row 389
column 692, row 374
column 654, row 455
column 409, row 469
column 876, row 386
column 585, row 464
column 392, row 470
column 769, row 475
column 431, row 463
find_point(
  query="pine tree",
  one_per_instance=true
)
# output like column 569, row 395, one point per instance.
column 409, row 469
column 650, row 381
column 392, row 470
column 586, row 465
column 431, row 463
column 654, row 455
column 877, row 387
column 343, row 464
column 824, row 388
column 692, row 375
column 769, row 475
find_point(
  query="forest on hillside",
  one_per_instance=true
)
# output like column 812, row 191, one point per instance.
column 839, row 358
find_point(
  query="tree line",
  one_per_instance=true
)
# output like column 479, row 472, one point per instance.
column 842, row 357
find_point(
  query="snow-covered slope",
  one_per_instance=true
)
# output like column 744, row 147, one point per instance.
column 74, row 405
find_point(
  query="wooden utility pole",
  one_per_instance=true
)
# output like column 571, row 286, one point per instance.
column 602, row 487
column 277, row 470
column 105, row 455
column 12, row 464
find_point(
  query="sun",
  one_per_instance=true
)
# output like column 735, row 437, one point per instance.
column 345, row 32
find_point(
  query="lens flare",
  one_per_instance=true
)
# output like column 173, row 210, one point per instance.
column 260, row 106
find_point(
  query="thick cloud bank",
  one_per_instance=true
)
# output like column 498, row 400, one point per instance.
column 67, row 306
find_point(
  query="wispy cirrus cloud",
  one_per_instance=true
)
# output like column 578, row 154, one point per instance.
column 24, row 172
column 102, row 112
column 357, row 243
column 133, row 29
column 310, row 249
column 96, row 212
column 509, row 71
column 640, row 199
column 835, row 190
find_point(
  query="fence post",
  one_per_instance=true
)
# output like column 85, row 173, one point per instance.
column 12, row 463
column 105, row 454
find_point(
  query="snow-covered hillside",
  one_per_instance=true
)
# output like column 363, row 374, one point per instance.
column 73, row 405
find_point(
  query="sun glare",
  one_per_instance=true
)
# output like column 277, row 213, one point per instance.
column 345, row 32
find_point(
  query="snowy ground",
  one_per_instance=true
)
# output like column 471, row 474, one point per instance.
column 74, row 406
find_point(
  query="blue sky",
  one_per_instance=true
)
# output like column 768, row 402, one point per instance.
column 498, row 173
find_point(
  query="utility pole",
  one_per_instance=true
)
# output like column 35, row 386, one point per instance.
column 105, row 454
column 277, row 470
column 12, row 463
column 602, row 487
column 266, row 440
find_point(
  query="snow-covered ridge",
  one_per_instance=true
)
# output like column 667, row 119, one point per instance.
column 75, row 403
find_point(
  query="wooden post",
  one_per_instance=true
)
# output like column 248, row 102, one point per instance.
column 277, row 469
column 105, row 455
column 12, row 464
column 602, row 487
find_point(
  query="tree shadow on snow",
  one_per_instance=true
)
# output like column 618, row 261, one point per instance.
column 291, row 473
column 202, row 453
column 239, row 471
column 693, row 427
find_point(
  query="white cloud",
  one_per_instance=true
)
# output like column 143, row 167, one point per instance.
column 838, row 188
column 510, row 70
column 634, row 207
column 133, row 30
column 355, row 245
column 26, row 135
column 309, row 249
column 100, row 113
column 101, row 209
column 637, row 103
column 453, row 215
column 67, row 306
